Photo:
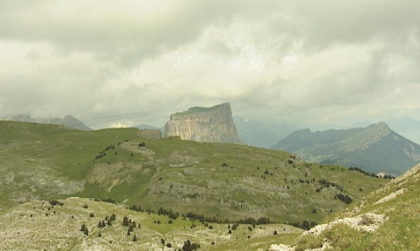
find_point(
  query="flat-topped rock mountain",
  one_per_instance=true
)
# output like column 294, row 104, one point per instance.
column 375, row 148
column 213, row 124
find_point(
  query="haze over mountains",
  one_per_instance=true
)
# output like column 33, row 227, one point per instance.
column 68, row 121
column 375, row 148
column 260, row 134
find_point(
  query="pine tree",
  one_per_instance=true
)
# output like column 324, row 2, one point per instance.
column 125, row 221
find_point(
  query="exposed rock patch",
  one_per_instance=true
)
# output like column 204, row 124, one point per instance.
column 280, row 247
column 390, row 196
column 367, row 222
column 134, row 147
column 110, row 175
column 178, row 158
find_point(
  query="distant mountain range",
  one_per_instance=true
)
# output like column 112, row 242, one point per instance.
column 68, row 121
column 375, row 148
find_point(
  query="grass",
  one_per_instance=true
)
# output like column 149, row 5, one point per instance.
column 401, row 230
column 31, row 228
column 226, row 181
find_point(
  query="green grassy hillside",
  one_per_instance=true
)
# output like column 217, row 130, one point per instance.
column 217, row 181
column 38, row 225
column 392, row 210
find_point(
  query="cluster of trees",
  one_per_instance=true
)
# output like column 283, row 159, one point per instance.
column 326, row 183
column 161, row 211
column 171, row 214
column 103, row 152
column 84, row 229
column 306, row 225
column 131, row 225
column 162, row 241
column 189, row 246
column 214, row 219
column 344, row 198
column 101, row 224
column 353, row 168
column 252, row 221
column 127, row 222
column 135, row 208
column 108, row 220
column 201, row 218
column 108, row 200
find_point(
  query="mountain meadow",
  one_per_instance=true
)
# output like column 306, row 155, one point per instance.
column 168, row 193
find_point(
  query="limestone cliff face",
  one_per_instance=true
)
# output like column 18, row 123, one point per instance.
column 214, row 124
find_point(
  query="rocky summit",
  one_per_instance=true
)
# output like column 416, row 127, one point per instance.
column 213, row 124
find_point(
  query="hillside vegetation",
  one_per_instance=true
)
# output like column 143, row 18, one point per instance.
column 387, row 219
column 218, row 181
column 86, row 224
column 215, row 182
column 184, row 191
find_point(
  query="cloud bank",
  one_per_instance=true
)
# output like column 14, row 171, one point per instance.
column 316, row 64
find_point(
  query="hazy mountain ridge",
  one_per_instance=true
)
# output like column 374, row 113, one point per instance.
column 375, row 148
column 68, row 121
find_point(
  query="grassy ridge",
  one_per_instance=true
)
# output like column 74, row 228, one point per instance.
column 226, row 181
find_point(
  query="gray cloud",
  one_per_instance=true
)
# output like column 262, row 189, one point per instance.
column 310, row 63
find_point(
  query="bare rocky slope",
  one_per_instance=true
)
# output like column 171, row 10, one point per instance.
column 214, row 124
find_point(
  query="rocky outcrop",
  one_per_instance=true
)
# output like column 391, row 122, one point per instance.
column 154, row 134
column 214, row 124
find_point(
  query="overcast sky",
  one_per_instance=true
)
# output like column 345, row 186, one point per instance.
column 317, row 64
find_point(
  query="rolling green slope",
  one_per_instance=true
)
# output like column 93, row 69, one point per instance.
column 390, row 215
column 218, row 181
